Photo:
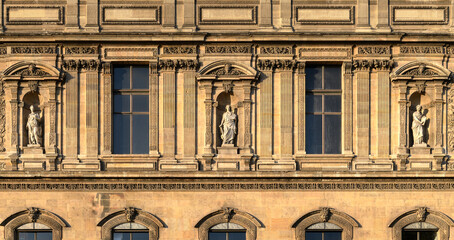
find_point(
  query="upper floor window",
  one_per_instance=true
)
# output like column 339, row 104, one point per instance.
column 324, row 231
column 130, row 231
column 34, row 231
column 130, row 110
column 419, row 231
column 323, row 109
column 227, row 231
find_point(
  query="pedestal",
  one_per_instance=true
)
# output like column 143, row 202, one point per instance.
column 228, row 158
column 420, row 158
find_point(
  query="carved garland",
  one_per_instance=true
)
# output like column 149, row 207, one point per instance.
column 130, row 214
column 33, row 215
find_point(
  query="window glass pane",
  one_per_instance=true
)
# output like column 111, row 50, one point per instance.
column 313, row 103
column 121, row 78
column 332, row 134
column 237, row 236
column 121, row 134
column 333, row 77
column 427, row 235
column 409, row 235
column 140, row 103
column 140, row 236
column 313, row 235
column 217, row 236
column 333, row 235
column 314, row 77
column 26, row 236
column 44, row 236
column 333, row 103
column 121, row 236
column 140, row 133
column 140, row 77
column 313, row 133
column 121, row 103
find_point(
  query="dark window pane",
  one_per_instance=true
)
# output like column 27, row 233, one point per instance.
column 140, row 133
column 121, row 134
column 216, row 236
column 121, row 103
column 333, row 236
column 140, row 77
column 313, row 77
column 313, row 103
column 333, row 103
column 140, row 236
column 313, row 235
column 333, row 77
column 237, row 236
column 44, row 236
column 313, row 133
column 121, row 78
column 26, row 236
column 121, row 236
column 409, row 235
column 140, row 103
column 332, row 134
column 427, row 235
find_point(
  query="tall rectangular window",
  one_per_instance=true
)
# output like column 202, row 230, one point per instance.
column 323, row 109
column 130, row 109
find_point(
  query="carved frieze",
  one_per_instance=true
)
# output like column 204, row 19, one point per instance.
column 3, row 51
column 81, row 50
column 274, row 50
column 276, row 64
column 183, row 64
column 325, row 53
column 83, row 64
column 374, row 50
column 421, row 50
column 179, row 50
column 363, row 65
column 228, row 49
column 383, row 64
column 33, row 50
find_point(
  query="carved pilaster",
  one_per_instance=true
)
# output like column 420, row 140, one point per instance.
column 247, row 118
column 154, row 108
column 348, row 108
column 286, row 111
column 91, row 108
column 403, row 119
column 107, row 105
column 266, row 111
column 189, row 117
column 208, row 149
column 168, row 68
column 72, row 109
column 439, row 119
column 450, row 124
column 362, row 71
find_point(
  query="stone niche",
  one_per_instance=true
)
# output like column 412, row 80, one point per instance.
column 421, row 84
column 28, row 85
column 227, row 83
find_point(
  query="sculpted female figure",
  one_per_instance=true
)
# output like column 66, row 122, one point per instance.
column 228, row 126
column 419, row 120
column 33, row 126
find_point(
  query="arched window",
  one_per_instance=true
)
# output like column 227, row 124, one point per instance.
column 325, row 224
column 33, row 224
column 228, row 224
column 421, row 224
column 130, row 224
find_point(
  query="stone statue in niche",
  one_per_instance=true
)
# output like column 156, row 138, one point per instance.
column 228, row 126
column 419, row 120
column 34, row 127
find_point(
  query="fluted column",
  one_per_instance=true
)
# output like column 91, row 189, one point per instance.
column 266, row 112
column 169, row 108
column 107, row 106
column 71, row 145
column 154, row 109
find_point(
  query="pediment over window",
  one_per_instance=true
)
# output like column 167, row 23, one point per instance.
column 421, row 70
column 31, row 70
column 226, row 69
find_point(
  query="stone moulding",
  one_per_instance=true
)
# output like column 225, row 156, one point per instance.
column 60, row 16
column 226, row 215
column 318, row 54
column 156, row 21
column 445, row 20
column 326, row 214
column 30, row 215
column 349, row 21
column 128, row 53
column 130, row 214
column 422, row 214
column 251, row 20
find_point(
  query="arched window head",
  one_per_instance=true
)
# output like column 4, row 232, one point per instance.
column 130, row 223
column 228, row 222
column 325, row 223
column 421, row 223
column 36, row 223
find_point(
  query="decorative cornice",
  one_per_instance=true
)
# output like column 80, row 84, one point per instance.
column 276, row 64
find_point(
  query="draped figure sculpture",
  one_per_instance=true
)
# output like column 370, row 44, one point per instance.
column 419, row 120
column 228, row 126
column 33, row 127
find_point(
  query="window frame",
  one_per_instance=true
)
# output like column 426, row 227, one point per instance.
column 323, row 92
column 33, row 231
column 129, row 92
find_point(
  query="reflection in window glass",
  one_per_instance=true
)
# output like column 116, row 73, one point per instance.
column 227, row 231
column 35, row 235
column 323, row 235
column 130, row 110
column 323, row 109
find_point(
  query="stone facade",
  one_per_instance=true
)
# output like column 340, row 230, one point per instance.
column 201, row 55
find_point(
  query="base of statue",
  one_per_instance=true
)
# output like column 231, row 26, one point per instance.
column 227, row 150
column 33, row 149
column 420, row 149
